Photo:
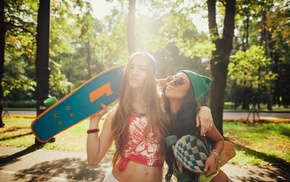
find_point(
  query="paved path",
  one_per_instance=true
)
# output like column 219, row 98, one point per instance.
column 226, row 115
column 262, row 115
column 29, row 164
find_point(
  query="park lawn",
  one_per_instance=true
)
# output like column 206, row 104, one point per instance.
column 266, row 144
column 17, row 133
column 262, row 144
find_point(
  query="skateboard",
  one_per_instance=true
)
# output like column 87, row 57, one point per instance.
column 78, row 105
column 191, row 153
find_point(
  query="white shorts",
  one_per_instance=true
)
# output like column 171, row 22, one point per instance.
column 110, row 178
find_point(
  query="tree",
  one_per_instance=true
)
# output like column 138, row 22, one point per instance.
column 249, row 67
column 71, row 40
column 257, row 25
column 244, row 11
column 2, row 48
column 58, row 82
column 131, row 27
column 18, row 47
column 42, row 54
column 278, row 32
column 220, row 56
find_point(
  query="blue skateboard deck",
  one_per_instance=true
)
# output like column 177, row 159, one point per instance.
column 79, row 104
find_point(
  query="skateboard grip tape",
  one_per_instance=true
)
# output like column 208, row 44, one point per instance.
column 105, row 89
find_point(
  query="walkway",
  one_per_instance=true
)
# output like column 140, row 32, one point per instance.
column 29, row 164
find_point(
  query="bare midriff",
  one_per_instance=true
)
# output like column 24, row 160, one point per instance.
column 138, row 172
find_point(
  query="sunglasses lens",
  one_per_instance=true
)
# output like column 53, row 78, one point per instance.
column 178, row 82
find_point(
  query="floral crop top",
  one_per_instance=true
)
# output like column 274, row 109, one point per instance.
column 138, row 149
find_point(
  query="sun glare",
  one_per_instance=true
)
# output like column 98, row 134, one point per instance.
column 101, row 8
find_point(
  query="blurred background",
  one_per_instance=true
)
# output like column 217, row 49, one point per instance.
column 242, row 45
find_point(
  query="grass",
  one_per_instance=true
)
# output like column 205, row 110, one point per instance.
column 17, row 133
column 261, row 144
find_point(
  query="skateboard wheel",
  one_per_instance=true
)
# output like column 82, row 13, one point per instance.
column 170, row 140
column 183, row 177
column 49, row 101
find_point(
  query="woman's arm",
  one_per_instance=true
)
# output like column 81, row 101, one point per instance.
column 98, row 145
column 204, row 119
column 212, row 162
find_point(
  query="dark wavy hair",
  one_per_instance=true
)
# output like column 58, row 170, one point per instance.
column 183, row 123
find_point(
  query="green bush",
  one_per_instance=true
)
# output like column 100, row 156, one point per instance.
column 20, row 104
column 229, row 105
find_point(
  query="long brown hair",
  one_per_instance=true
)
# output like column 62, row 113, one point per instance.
column 155, row 115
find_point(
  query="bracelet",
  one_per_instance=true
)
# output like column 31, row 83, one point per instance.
column 215, row 153
column 94, row 130
column 217, row 158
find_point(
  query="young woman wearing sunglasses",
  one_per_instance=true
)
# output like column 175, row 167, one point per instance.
column 181, row 94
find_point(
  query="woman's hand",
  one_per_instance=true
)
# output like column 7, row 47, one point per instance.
column 163, row 81
column 204, row 120
column 210, row 165
column 95, row 118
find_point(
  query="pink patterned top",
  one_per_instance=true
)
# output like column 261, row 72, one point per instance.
column 138, row 149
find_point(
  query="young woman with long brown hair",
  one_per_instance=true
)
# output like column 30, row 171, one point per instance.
column 137, row 126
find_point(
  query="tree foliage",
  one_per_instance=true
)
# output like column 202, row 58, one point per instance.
column 249, row 67
column 257, row 25
column 20, row 28
column 82, row 45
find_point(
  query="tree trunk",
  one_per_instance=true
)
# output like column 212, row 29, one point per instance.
column 42, row 54
column 131, row 27
column 277, row 91
column 2, row 50
column 88, row 50
column 269, row 87
column 220, row 57
column 246, row 98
